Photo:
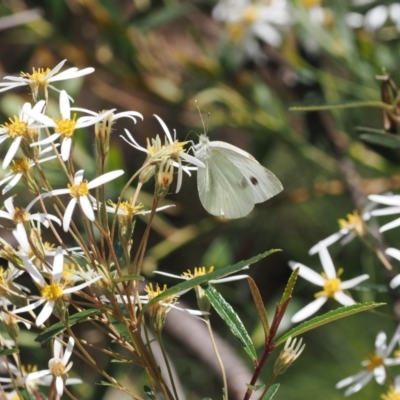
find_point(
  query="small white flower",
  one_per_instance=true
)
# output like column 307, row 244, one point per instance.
column 19, row 216
column 66, row 126
column 52, row 292
column 354, row 225
column 114, row 117
column 171, row 150
column 330, row 282
column 19, row 129
column 389, row 200
column 374, row 366
column 200, row 271
column 58, row 367
column 42, row 78
column 79, row 191
column 21, row 167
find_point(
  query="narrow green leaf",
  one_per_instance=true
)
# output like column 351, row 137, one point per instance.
column 382, row 139
column 228, row 314
column 358, row 104
column 324, row 319
column 271, row 392
column 59, row 327
column 259, row 303
column 200, row 280
column 121, row 328
column 105, row 383
column 7, row 352
column 289, row 286
column 132, row 277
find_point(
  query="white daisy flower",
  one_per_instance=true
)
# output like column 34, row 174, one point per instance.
column 20, row 168
column 330, row 282
column 264, row 20
column 113, row 117
column 354, row 225
column 58, row 367
column 20, row 216
column 66, row 126
column 20, row 128
column 200, row 271
column 42, row 78
column 49, row 293
column 172, row 149
column 79, row 191
column 374, row 366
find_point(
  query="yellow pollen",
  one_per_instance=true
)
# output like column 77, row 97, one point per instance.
column 20, row 215
column 37, row 75
column 52, row 292
column 374, row 361
column 56, row 367
column 15, row 127
column 66, row 127
column 21, row 165
column 198, row 271
column 154, row 292
column 127, row 207
column 391, row 394
column 79, row 190
column 250, row 14
column 354, row 222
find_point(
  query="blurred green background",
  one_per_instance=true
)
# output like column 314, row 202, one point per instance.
column 159, row 57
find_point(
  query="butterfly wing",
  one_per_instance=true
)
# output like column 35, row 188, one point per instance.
column 263, row 182
column 223, row 190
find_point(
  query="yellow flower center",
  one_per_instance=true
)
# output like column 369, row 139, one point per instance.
column 127, row 206
column 250, row 14
column 36, row 76
column 152, row 293
column 374, row 361
column 56, row 367
column 20, row 215
column 68, row 272
column 331, row 286
column 52, row 292
column 354, row 222
column 158, row 151
column 15, row 127
column 21, row 165
column 79, row 190
column 66, row 127
column 391, row 394
column 198, row 271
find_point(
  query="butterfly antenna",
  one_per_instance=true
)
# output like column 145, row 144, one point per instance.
column 201, row 117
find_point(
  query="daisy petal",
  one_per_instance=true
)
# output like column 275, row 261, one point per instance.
column 309, row 309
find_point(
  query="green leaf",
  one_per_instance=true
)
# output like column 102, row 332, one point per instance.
column 289, row 286
column 59, row 327
column 105, row 383
column 228, row 314
column 271, row 392
column 131, row 277
column 382, row 139
column 259, row 303
column 358, row 104
column 324, row 319
column 200, row 280
column 121, row 328
column 7, row 352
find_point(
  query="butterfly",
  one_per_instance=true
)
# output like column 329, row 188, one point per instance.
column 232, row 180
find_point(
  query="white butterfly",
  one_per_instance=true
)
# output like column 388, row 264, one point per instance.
column 232, row 180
